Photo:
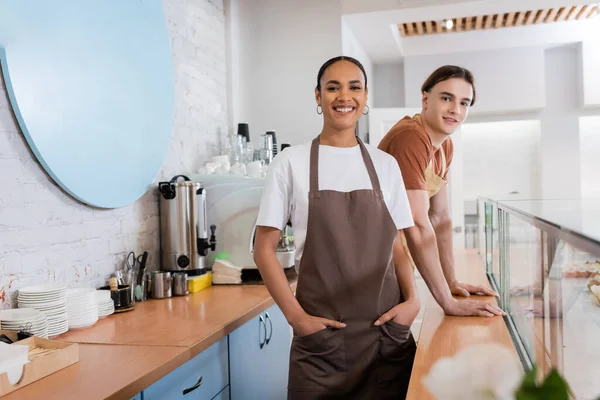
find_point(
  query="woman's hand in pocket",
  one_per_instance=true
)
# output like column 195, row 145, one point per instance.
column 403, row 313
column 307, row 325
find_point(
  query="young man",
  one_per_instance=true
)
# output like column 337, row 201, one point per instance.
column 422, row 146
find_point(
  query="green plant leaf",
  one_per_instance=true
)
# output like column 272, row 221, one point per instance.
column 553, row 387
column 556, row 386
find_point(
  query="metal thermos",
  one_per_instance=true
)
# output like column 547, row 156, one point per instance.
column 183, row 226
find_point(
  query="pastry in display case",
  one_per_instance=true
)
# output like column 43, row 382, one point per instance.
column 582, row 270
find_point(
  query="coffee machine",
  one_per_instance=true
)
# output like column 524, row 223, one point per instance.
column 184, row 238
column 233, row 203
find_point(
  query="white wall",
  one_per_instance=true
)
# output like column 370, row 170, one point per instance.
column 507, row 81
column 389, row 85
column 47, row 236
column 501, row 157
column 589, row 136
column 281, row 45
column 591, row 66
column 352, row 48
column 561, row 166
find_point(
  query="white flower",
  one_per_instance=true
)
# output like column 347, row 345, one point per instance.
column 479, row 372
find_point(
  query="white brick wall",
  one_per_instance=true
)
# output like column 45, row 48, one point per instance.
column 45, row 235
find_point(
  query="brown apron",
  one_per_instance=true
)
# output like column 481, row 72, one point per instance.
column 434, row 184
column 347, row 274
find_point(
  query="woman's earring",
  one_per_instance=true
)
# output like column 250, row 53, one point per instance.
column 366, row 108
column 319, row 110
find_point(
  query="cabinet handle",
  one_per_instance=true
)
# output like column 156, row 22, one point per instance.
column 191, row 389
column 264, row 325
column 271, row 326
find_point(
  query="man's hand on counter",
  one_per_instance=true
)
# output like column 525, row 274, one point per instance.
column 466, row 308
column 465, row 289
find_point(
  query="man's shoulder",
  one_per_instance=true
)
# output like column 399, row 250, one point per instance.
column 406, row 133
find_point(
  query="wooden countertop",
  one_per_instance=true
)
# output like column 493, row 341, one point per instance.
column 195, row 321
column 106, row 372
column 125, row 353
column 443, row 336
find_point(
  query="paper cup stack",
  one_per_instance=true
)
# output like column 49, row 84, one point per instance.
column 49, row 299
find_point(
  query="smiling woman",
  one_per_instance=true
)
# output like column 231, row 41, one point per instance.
column 353, row 307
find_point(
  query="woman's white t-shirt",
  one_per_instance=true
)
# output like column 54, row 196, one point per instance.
column 285, row 195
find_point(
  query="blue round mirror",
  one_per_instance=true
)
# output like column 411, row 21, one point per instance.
column 92, row 87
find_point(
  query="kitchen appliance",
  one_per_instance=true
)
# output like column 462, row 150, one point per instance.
column 161, row 284
column 232, row 203
column 180, row 284
column 184, row 226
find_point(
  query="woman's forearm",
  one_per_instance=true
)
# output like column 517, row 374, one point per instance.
column 404, row 271
column 277, row 283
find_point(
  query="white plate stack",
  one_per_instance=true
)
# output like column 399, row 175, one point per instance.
column 106, row 305
column 51, row 300
column 25, row 319
column 82, row 307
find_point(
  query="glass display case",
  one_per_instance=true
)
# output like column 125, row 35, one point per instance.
column 489, row 239
column 543, row 256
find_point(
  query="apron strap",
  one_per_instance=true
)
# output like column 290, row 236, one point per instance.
column 444, row 165
column 314, row 165
column 370, row 166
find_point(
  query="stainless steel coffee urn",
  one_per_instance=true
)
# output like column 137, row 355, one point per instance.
column 183, row 226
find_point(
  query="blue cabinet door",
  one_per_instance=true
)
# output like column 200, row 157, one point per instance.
column 277, row 352
column 224, row 395
column 259, row 370
column 203, row 377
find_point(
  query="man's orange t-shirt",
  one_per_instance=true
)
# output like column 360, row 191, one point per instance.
column 411, row 146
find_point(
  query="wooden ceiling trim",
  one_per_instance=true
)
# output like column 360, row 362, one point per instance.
column 551, row 15
column 562, row 14
column 531, row 17
column 438, row 27
column 428, row 27
column 582, row 12
column 499, row 20
column 402, row 28
column 488, row 21
column 573, row 12
column 541, row 16
column 478, row 22
column 509, row 19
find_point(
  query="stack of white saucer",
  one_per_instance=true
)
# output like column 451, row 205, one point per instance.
column 106, row 305
column 82, row 307
column 27, row 320
column 51, row 300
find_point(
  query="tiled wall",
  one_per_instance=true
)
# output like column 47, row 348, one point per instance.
column 45, row 235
